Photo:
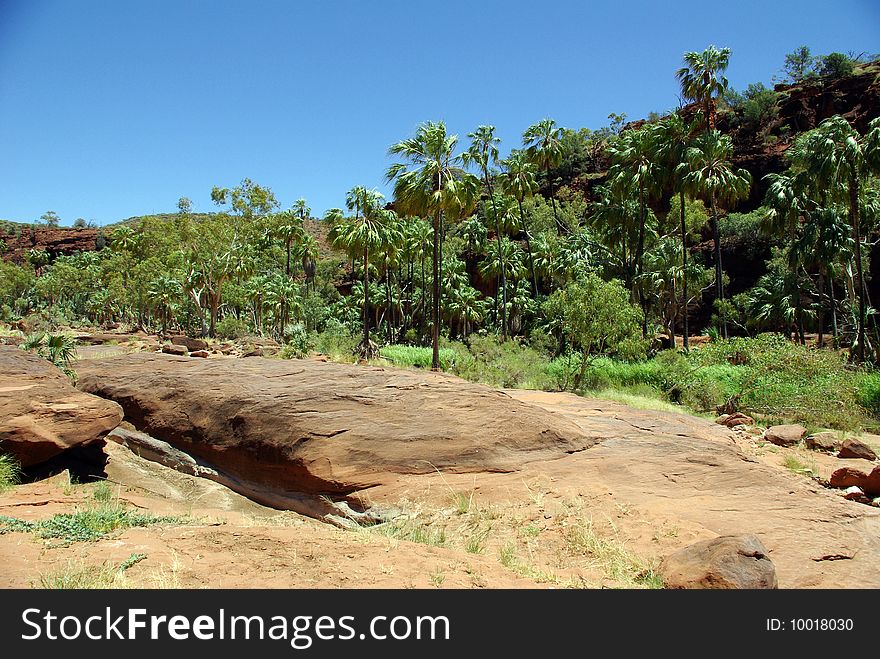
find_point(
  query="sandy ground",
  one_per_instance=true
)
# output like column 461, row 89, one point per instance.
column 603, row 517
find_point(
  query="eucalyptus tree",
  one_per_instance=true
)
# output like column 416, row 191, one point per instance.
column 672, row 139
column 840, row 161
column 359, row 235
column 544, row 147
column 519, row 180
column 483, row 152
column 712, row 177
column 702, row 79
column 432, row 182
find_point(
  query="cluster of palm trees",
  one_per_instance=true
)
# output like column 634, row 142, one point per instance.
column 477, row 196
column 473, row 240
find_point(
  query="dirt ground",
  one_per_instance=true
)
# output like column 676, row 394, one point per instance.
column 603, row 517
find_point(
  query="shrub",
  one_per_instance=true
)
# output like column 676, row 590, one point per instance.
column 836, row 65
column 298, row 342
column 9, row 471
column 336, row 341
column 503, row 364
column 868, row 394
column 230, row 327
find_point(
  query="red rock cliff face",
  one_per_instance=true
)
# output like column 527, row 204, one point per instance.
column 55, row 241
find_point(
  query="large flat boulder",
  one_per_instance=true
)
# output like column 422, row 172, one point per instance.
column 323, row 428
column 42, row 413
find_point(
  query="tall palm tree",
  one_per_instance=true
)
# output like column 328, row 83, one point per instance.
column 839, row 160
column 711, row 176
column 362, row 233
column 519, row 181
column 672, row 138
column 430, row 182
column 543, row 142
column 288, row 228
column 483, row 152
column 635, row 167
column 702, row 79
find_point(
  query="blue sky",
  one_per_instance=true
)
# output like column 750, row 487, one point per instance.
column 113, row 109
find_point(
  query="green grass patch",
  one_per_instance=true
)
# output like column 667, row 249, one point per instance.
column 9, row 472
column 416, row 357
column 87, row 525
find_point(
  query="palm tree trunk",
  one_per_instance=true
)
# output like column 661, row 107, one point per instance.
column 685, row 334
column 287, row 268
column 834, row 331
column 719, row 272
column 640, row 252
column 522, row 221
column 857, row 235
column 366, row 297
column 498, row 241
column 821, row 313
column 435, row 315
column 561, row 229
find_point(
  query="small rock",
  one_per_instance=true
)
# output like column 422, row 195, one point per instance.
column 731, row 561
column 253, row 352
column 735, row 419
column 199, row 353
column 854, row 493
column 174, row 349
column 822, row 441
column 847, row 477
column 785, row 435
column 190, row 343
column 853, row 448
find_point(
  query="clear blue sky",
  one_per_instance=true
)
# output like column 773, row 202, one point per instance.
column 113, row 109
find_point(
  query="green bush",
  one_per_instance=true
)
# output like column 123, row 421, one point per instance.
column 502, row 364
column 868, row 393
column 9, row 471
column 336, row 341
column 230, row 327
column 298, row 342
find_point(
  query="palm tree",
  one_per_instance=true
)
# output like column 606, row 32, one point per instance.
column 712, row 177
column 507, row 263
column 431, row 182
column 288, row 228
column 483, row 152
column 839, row 160
column 362, row 233
column 520, row 182
column 543, row 142
column 163, row 293
column 788, row 207
column 672, row 139
column 634, row 167
column 702, row 79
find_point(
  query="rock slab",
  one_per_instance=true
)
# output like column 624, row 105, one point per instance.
column 726, row 562
column 42, row 413
column 323, row 428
